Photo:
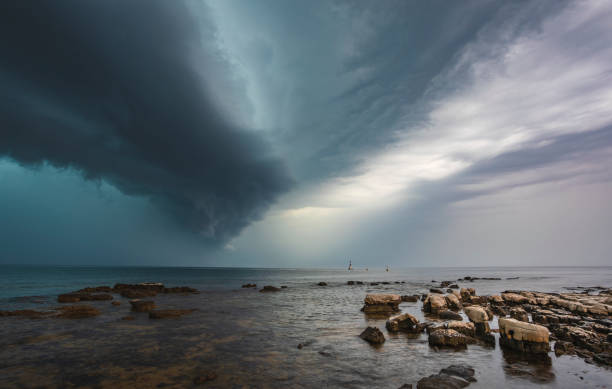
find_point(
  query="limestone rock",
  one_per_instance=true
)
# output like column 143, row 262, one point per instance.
column 381, row 303
column 523, row 336
column 434, row 303
column 447, row 338
column 476, row 314
column 453, row 302
column 373, row 335
column 519, row 314
column 404, row 322
column 450, row 315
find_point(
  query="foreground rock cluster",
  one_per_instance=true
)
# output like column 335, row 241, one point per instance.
column 579, row 323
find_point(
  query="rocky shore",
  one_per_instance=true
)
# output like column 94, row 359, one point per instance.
column 448, row 318
column 577, row 323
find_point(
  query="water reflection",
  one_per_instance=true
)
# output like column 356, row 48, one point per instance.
column 536, row 368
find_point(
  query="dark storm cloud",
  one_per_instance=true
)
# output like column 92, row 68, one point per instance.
column 110, row 89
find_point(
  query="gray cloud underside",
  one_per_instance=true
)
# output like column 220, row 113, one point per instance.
column 111, row 89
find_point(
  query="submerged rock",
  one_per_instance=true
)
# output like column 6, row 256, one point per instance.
column 410, row 298
column 168, row 313
column 404, row 322
column 525, row 337
column 270, row 288
column 322, row 283
column 142, row 305
column 199, row 380
column 373, row 335
column 76, row 297
column 77, row 312
column 447, row 338
column 249, row 285
column 25, row 313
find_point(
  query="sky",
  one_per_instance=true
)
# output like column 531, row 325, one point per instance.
column 280, row 133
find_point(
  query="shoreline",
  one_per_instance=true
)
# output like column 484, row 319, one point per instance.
column 203, row 357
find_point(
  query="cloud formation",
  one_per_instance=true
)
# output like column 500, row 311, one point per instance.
column 125, row 92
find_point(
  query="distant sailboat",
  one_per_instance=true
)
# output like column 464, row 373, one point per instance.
column 350, row 265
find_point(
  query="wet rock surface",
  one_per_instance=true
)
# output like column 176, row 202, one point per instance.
column 452, row 377
column 168, row 313
column 447, row 338
column 404, row 322
column 372, row 335
column 381, row 303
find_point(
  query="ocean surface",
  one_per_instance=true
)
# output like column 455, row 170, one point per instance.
column 249, row 339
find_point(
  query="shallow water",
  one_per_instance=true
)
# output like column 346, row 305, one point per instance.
column 250, row 339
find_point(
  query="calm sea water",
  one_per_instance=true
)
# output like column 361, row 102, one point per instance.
column 249, row 338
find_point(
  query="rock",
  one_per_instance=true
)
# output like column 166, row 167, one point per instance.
column 25, row 313
column 444, row 284
column 476, row 314
column 500, row 310
column 489, row 311
column 77, row 312
column 434, row 303
column 181, row 289
column 496, row 299
column 465, row 294
column 270, row 288
column 137, row 293
column 454, row 286
column 322, row 283
column 447, row 338
column 406, row 386
column 564, row 348
column 350, row 282
column 404, row 322
column 283, row 286
column 116, row 303
column 249, row 285
column 128, row 318
column 96, row 289
column 435, row 290
column 142, row 305
column 519, row 314
column 453, row 302
column 410, row 298
column 465, row 328
column 373, row 335
column 69, row 298
column 199, row 380
column 75, row 297
column 463, row 371
column 477, row 300
column 521, row 336
column 381, row 303
column 441, row 381
column 450, row 315
column 168, row 313
column 514, row 298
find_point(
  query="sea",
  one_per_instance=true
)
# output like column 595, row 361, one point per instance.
column 248, row 339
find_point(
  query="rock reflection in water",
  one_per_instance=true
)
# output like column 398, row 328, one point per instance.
column 536, row 368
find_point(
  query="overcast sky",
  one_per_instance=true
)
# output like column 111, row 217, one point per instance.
column 304, row 133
